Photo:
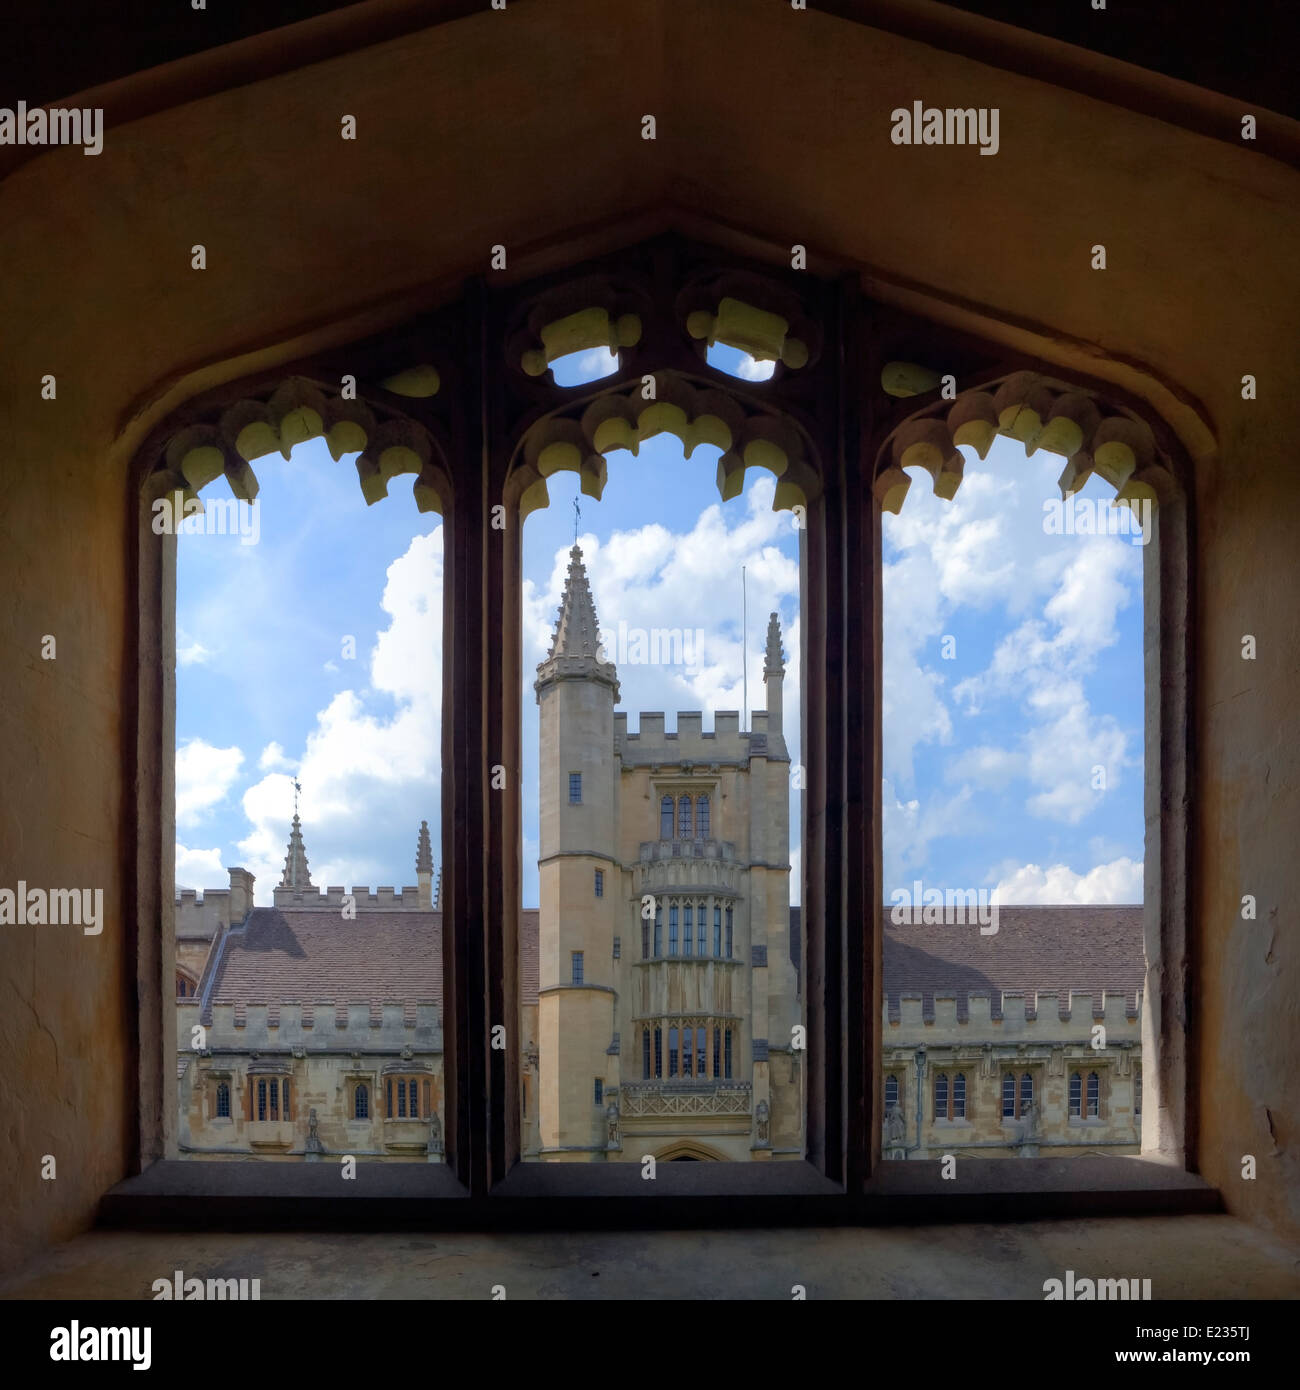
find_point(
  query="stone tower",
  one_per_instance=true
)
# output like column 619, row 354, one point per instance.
column 580, row 879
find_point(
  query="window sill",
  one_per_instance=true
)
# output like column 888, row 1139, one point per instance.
column 184, row 1195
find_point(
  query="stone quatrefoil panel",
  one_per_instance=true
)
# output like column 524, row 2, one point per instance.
column 386, row 443
column 1092, row 436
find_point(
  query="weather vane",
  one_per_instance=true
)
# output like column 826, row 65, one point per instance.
column 577, row 516
column 297, row 787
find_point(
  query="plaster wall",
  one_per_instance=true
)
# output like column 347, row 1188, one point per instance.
column 483, row 132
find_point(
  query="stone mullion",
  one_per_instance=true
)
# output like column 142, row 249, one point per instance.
column 860, row 692
column 466, row 765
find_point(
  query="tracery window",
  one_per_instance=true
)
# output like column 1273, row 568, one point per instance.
column 891, row 1092
column 684, row 818
column 403, row 1095
column 950, row 1096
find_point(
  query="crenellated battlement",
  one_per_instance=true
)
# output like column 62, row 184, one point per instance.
column 384, row 898
column 324, row 1025
column 1038, row 1015
column 690, row 742
column 201, row 915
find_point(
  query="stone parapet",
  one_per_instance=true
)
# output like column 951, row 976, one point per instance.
column 386, row 898
column 319, row 1025
column 1037, row 1014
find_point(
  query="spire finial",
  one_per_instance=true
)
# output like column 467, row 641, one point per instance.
column 577, row 517
column 775, row 664
column 424, row 850
column 296, row 874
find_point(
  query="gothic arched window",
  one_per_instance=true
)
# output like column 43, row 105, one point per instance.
column 672, row 929
column 1008, row 1096
column 223, row 1100
column 688, row 917
column 684, row 818
column 687, row 1051
column 891, row 1093
column 666, row 818
column 361, row 1102
column 702, row 818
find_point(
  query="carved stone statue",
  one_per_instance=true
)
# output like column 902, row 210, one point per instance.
column 1029, row 1123
column 435, row 1133
column 611, row 1126
column 762, row 1123
column 895, row 1130
column 314, row 1148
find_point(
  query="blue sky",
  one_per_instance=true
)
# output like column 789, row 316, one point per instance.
column 988, row 756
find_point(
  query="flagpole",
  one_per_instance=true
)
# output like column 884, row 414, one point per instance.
column 744, row 648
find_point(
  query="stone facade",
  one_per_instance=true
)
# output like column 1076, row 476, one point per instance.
column 1003, row 1060
column 341, row 1068
column 1045, row 1011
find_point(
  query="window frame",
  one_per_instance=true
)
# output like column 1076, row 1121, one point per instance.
column 482, row 692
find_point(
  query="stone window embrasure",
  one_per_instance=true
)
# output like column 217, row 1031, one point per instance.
column 1092, row 435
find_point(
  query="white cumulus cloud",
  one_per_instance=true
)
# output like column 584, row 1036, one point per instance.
column 204, row 775
column 1119, row 881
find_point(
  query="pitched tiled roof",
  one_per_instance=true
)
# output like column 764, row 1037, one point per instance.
column 305, row 955
column 293, row 955
column 1083, row 948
